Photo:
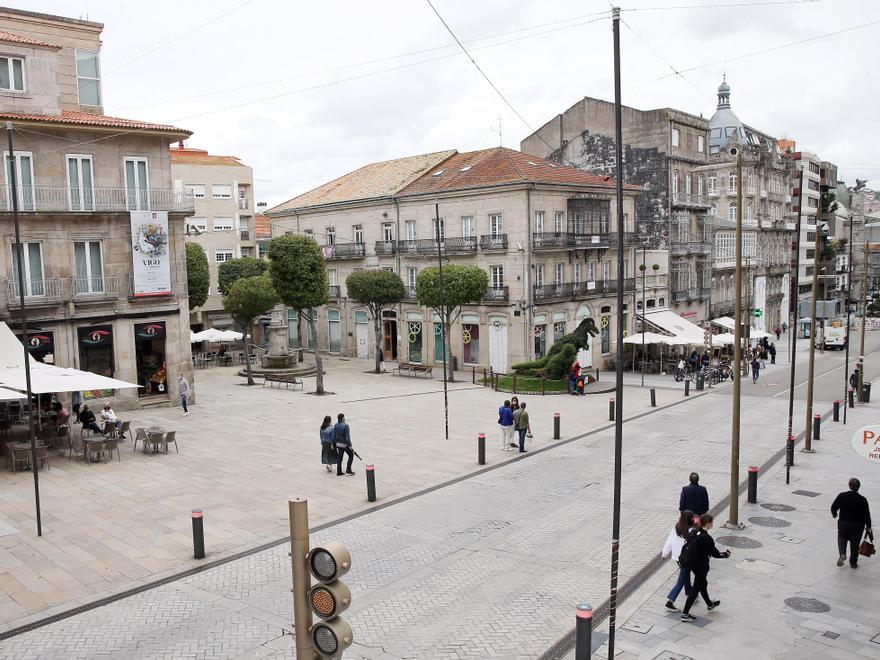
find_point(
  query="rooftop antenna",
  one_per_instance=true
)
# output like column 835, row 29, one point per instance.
column 498, row 130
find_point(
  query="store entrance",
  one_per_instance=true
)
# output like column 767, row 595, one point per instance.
column 389, row 339
column 149, row 346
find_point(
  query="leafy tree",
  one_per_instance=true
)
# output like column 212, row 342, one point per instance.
column 229, row 272
column 248, row 299
column 378, row 290
column 461, row 285
column 296, row 265
column 198, row 278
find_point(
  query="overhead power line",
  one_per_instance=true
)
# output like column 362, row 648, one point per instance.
column 766, row 3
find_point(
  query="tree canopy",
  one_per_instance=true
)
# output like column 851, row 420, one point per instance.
column 461, row 285
column 198, row 278
column 296, row 264
column 248, row 299
column 378, row 290
column 229, row 272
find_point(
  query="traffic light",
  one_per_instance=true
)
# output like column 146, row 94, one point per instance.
column 329, row 598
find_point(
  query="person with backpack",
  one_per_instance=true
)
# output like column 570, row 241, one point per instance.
column 695, row 554
column 672, row 548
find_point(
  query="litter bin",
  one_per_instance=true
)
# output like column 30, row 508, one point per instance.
column 701, row 380
column 866, row 392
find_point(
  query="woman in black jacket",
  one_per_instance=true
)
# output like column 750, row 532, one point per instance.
column 703, row 547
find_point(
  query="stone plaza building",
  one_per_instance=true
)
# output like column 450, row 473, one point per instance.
column 543, row 232
column 102, row 226
column 223, row 223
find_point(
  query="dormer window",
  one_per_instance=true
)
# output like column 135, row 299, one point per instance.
column 11, row 74
column 438, row 172
column 88, row 77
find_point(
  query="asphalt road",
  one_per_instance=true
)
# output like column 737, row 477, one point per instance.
column 830, row 372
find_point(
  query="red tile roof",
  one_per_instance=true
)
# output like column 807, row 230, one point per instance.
column 86, row 119
column 499, row 165
column 9, row 38
column 190, row 156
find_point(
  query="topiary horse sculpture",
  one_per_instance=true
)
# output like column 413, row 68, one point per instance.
column 562, row 354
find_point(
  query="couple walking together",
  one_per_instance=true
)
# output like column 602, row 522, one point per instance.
column 512, row 416
column 335, row 444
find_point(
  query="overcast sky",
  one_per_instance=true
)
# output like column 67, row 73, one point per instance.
column 247, row 67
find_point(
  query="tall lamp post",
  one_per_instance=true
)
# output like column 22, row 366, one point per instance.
column 644, row 272
column 808, row 430
column 737, row 348
column 848, row 316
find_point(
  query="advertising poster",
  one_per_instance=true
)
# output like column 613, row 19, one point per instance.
column 150, row 258
column 96, row 355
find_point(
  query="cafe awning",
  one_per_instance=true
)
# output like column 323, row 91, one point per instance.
column 676, row 326
column 649, row 338
column 11, row 395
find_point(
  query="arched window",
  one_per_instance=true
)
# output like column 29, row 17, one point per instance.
column 700, row 184
column 676, row 175
column 731, row 182
column 731, row 209
column 687, row 184
column 711, row 184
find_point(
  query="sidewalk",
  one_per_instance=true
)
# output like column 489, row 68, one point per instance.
column 782, row 594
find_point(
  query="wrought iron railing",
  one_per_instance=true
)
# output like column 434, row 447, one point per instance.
column 581, row 289
column 493, row 242
column 409, row 293
column 39, row 291
column 344, row 251
column 386, row 247
column 94, row 287
column 88, row 200
column 496, row 293
column 333, row 291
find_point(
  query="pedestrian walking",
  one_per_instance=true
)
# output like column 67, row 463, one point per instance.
column 784, row 326
column 772, row 351
column 756, row 369
column 328, row 454
column 183, row 392
column 76, row 402
column 523, row 427
column 514, row 407
column 778, row 332
column 695, row 554
column 694, row 497
column 854, row 518
column 342, row 440
column 672, row 548
column 505, row 421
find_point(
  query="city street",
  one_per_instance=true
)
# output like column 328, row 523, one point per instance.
column 488, row 566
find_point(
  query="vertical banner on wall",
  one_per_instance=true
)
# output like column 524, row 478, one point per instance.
column 150, row 258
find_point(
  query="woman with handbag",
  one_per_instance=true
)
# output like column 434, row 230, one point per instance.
column 700, row 546
column 328, row 453
column 672, row 548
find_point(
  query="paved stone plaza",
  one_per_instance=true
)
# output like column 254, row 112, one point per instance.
column 488, row 566
column 243, row 452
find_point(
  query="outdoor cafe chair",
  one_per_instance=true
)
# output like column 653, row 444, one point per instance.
column 19, row 457
column 110, row 429
column 170, row 437
column 140, row 434
column 43, row 456
column 126, row 428
column 95, row 448
column 112, row 445
column 156, row 440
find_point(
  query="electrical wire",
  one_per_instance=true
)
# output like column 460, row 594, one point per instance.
column 380, row 60
column 177, row 38
column 755, row 53
column 766, row 3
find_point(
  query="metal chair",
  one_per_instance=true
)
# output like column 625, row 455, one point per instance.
column 112, row 445
column 20, row 457
column 94, row 449
column 126, row 428
column 170, row 437
column 156, row 441
column 43, row 457
column 140, row 434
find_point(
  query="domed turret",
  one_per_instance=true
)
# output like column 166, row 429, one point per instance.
column 724, row 126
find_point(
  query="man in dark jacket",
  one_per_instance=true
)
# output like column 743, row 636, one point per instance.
column 855, row 516
column 698, row 564
column 342, row 440
column 694, row 497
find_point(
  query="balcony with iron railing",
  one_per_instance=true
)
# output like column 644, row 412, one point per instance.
column 684, row 248
column 496, row 294
column 333, row 291
column 94, row 288
column 245, row 235
column 385, row 247
column 566, row 240
column 567, row 290
column 683, row 295
column 344, row 251
column 427, row 247
column 37, row 292
column 35, row 199
column 690, row 200
column 409, row 294
column 493, row 242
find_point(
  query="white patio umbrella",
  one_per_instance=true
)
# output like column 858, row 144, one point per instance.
column 231, row 335
column 47, row 378
column 650, row 338
column 724, row 339
column 11, row 395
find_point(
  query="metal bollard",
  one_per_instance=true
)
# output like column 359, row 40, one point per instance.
column 817, row 423
column 653, row 398
column 753, row 484
column 371, row 483
column 836, row 410
column 583, row 648
column 556, row 426
column 610, row 410
column 198, row 534
column 790, row 450
column 481, row 449
column 687, row 387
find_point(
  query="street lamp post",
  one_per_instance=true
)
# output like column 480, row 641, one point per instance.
column 808, row 430
column 644, row 272
column 848, row 316
column 737, row 349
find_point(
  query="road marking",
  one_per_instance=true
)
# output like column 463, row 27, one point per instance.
column 830, row 371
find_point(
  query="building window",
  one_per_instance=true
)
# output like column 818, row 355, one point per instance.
column 89, row 267
column 331, row 235
column 332, row 277
column 661, row 302
column 731, row 182
column 387, row 231
column 199, row 224
column 137, row 184
column 539, row 222
column 606, row 271
column 675, row 177
column 814, row 168
column 731, row 211
column 438, row 229
column 467, row 226
column 495, row 226
column 88, row 77
column 711, row 184
column 411, row 276
column 496, row 276
column 81, row 193
column 24, row 178
column 700, row 184
column 11, row 74
column 675, row 137
column 197, row 190
column 591, row 271
column 576, row 272
column 539, row 275
column 701, row 143
column 411, row 230
column 358, row 231
column 223, row 255
column 559, row 274
column 222, row 224
column 713, row 210
column 687, row 185
column 812, row 202
column 33, row 270
column 221, row 191
column 558, row 221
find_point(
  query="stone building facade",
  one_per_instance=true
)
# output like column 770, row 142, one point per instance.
column 99, row 296
column 223, row 220
column 543, row 232
column 662, row 148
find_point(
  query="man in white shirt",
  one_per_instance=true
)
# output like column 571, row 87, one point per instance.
column 109, row 417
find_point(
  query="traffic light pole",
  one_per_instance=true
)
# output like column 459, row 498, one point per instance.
column 737, row 352
column 298, row 511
